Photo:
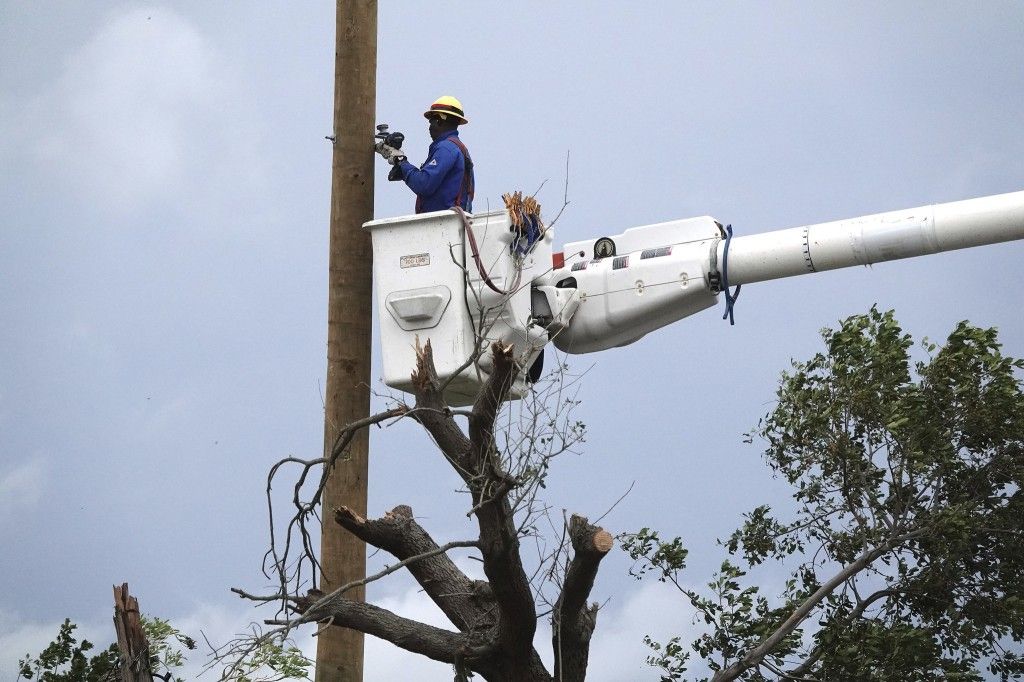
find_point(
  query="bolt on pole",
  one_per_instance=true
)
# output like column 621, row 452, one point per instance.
column 339, row 655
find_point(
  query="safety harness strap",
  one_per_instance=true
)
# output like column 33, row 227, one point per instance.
column 467, row 189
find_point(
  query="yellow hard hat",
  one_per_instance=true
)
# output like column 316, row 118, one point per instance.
column 447, row 105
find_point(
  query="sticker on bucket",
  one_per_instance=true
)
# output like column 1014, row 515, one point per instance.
column 414, row 261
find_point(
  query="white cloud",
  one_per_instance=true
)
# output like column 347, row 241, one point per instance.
column 218, row 625
column 21, row 487
column 18, row 640
column 146, row 111
column 617, row 651
column 384, row 661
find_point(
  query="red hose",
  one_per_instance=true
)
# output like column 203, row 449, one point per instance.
column 476, row 256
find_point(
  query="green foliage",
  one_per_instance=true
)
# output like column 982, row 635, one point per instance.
column 270, row 662
column 670, row 657
column 164, row 642
column 65, row 660
column 907, row 479
column 648, row 552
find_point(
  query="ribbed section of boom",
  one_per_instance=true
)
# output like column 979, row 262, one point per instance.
column 875, row 238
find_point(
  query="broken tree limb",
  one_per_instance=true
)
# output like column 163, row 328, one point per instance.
column 131, row 638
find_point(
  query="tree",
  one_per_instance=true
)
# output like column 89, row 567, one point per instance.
column 494, row 620
column 907, row 525
column 66, row 660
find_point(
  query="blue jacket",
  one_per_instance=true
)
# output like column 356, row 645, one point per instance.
column 438, row 181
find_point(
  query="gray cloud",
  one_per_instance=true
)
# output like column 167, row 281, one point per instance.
column 21, row 488
column 119, row 127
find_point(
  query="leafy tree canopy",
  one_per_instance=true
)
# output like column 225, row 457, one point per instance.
column 66, row 660
column 908, row 522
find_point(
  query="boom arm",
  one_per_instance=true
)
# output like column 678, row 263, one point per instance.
column 648, row 277
column 876, row 238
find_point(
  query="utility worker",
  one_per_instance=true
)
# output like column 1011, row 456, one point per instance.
column 446, row 178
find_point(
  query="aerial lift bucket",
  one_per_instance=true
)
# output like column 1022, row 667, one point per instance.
column 429, row 288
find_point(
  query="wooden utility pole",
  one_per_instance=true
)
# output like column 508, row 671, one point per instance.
column 339, row 653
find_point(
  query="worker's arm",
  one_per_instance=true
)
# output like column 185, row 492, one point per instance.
column 425, row 181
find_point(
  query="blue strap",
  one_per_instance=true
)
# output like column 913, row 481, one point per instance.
column 730, row 298
column 528, row 236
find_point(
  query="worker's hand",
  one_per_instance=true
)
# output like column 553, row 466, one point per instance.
column 390, row 154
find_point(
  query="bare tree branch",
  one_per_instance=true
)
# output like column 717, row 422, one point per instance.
column 465, row 602
column 426, row 640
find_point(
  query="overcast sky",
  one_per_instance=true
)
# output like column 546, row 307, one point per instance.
column 164, row 195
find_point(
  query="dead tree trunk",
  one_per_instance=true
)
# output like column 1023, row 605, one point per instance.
column 131, row 638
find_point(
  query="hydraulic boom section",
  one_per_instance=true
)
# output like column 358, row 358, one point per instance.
column 631, row 284
column 464, row 284
column 876, row 238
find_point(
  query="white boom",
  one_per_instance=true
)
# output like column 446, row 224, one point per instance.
column 647, row 277
column 876, row 238
column 611, row 291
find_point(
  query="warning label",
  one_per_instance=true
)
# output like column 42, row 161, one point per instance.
column 415, row 260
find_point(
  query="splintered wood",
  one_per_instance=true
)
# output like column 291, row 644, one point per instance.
column 523, row 211
column 131, row 638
